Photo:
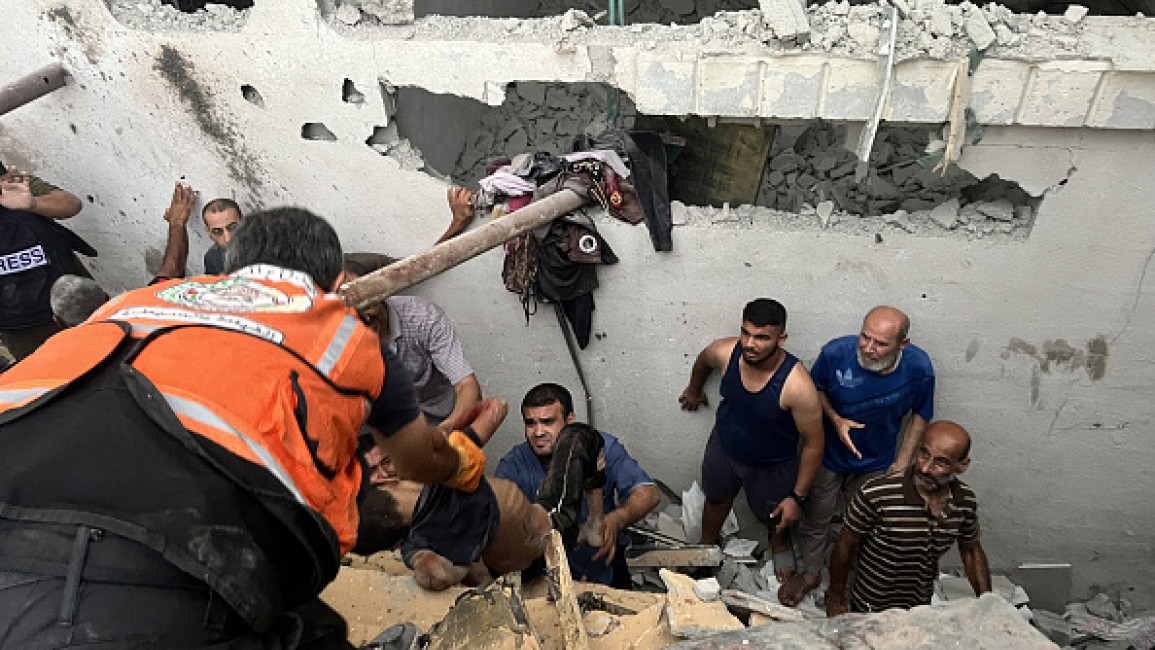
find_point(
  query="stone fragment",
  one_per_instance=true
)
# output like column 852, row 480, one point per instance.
column 689, row 617
column 1103, row 607
column 532, row 92
column 494, row 617
column 743, row 602
column 900, row 219
column 707, row 589
column 348, row 14
column 825, row 209
column 786, row 18
column 599, row 623
column 1005, row 35
column 946, row 215
column 574, row 19
column 1075, row 14
column 1001, row 210
column 979, row 30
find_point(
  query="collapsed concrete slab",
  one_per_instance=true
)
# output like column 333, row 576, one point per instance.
column 986, row 622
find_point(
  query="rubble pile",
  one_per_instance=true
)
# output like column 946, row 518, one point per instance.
column 372, row 12
column 153, row 15
column 663, row 12
column 817, row 170
column 537, row 117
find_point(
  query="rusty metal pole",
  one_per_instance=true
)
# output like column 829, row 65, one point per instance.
column 31, row 86
column 401, row 275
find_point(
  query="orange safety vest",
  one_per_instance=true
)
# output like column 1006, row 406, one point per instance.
column 261, row 362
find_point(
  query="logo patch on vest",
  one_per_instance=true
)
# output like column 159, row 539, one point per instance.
column 23, row 260
column 234, row 294
column 226, row 321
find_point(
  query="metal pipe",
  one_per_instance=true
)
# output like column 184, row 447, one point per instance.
column 31, row 86
column 401, row 275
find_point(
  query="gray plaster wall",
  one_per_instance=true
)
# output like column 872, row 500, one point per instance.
column 1063, row 449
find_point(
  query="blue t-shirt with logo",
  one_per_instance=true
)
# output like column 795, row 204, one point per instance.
column 878, row 401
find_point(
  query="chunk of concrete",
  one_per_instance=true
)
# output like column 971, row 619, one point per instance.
column 786, row 18
column 494, row 617
column 946, row 214
column 707, row 589
column 689, row 617
column 979, row 30
column 825, row 209
column 1075, row 14
column 348, row 14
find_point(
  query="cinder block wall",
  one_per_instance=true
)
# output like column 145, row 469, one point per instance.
column 1043, row 347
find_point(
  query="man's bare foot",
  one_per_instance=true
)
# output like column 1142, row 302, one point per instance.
column 435, row 573
column 796, row 587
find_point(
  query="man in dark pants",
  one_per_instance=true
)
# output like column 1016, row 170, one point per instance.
column 206, row 433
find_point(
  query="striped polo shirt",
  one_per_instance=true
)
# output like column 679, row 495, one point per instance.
column 902, row 540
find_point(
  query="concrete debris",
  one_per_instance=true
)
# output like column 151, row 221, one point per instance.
column 576, row 19
column 1075, row 14
column 689, row 617
column 786, row 19
column 535, row 117
column 738, row 546
column 987, row 622
column 979, row 30
column 744, row 602
column 493, row 617
column 153, row 15
column 599, row 624
column 690, row 556
column 1103, row 607
column 707, row 589
column 946, row 215
column 374, row 12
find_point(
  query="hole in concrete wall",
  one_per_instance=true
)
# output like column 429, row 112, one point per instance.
column 181, row 15
column 317, row 131
column 386, row 141
column 350, row 94
column 252, row 96
column 388, row 98
column 665, row 12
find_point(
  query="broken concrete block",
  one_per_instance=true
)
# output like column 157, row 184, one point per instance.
column 494, row 617
column 979, row 30
column 946, row 214
column 786, row 18
column 689, row 617
column 1103, row 607
column 1075, row 14
column 825, row 209
column 599, row 624
column 574, row 19
column 740, row 547
column 707, row 589
column 348, row 14
column 389, row 12
column 744, row 602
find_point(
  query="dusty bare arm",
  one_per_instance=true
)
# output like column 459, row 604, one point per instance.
column 840, row 560
column 806, row 409
column 694, row 396
column 16, row 193
column 468, row 395
column 974, row 560
column 914, row 430
column 461, row 208
column 176, row 247
column 641, row 501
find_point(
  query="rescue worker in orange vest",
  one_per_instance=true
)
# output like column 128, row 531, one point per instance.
column 180, row 470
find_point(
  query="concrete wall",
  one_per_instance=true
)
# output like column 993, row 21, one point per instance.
column 1063, row 456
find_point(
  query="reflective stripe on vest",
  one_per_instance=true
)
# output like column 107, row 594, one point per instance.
column 17, row 397
column 206, row 416
column 337, row 345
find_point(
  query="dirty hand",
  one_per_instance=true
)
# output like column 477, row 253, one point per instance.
column 460, row 204
column 835, row 605
column 486, row 417
column 787, row 512
column 181, row 205
column 844, row 426
column 15, row 192
column 691, row 399
column 611, row 526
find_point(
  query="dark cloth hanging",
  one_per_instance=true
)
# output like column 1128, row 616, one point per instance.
column 567, row 269
column 647, row 156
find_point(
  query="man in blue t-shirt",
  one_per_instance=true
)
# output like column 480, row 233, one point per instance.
column 868, row 385
column 629, row 492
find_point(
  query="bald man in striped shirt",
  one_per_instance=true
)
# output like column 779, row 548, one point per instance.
column 902, row 523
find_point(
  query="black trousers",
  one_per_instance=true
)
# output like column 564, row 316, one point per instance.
column 64, row 586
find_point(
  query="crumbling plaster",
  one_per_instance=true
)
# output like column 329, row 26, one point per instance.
column 1062, row 460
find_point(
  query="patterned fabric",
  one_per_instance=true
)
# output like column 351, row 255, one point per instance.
column 903, row 541
column 423, row 339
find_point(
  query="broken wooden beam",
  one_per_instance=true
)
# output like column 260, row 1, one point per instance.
column 561, row 588
column 399, row 276
column 687, row 556
column 31, row 86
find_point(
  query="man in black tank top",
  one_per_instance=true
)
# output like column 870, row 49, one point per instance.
column 769, row 404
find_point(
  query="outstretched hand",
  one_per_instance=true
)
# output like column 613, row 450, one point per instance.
column 15, row 191
column 844, row 427
column 181, row 205
column 460, row 204
column 691, row 399
column 486, row 417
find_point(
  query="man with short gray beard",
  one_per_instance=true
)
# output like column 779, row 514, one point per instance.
column 868, row 385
